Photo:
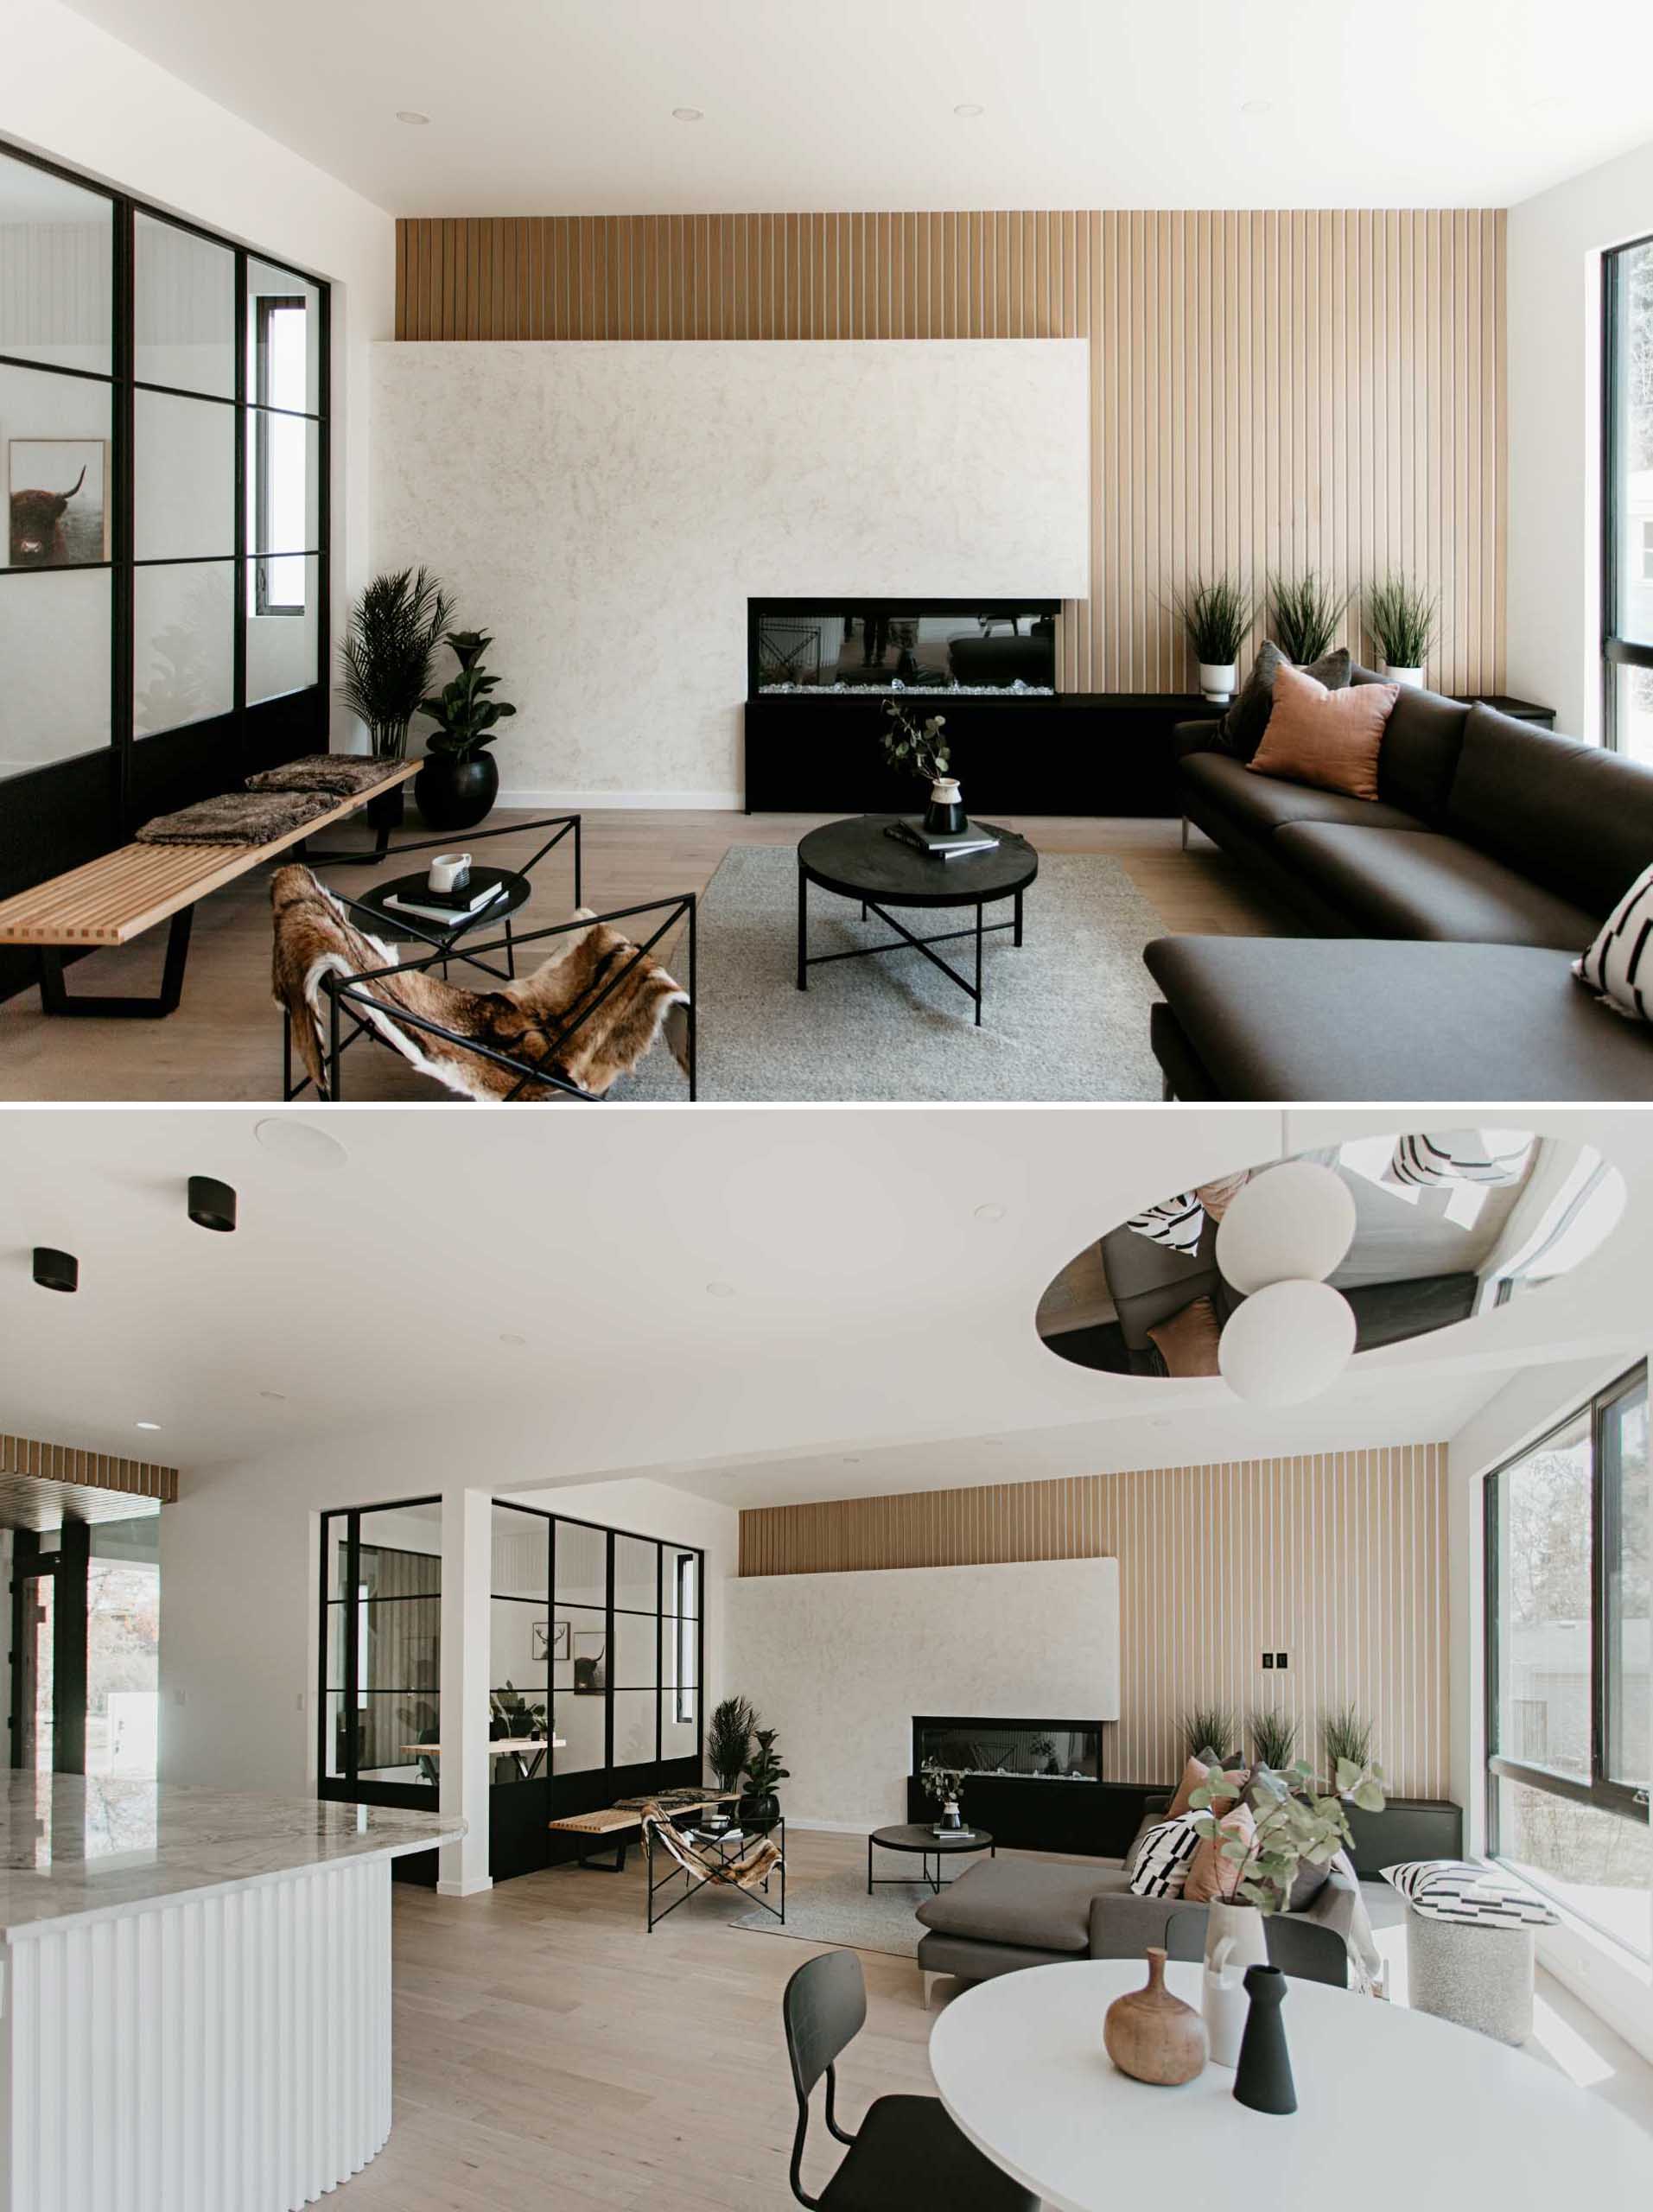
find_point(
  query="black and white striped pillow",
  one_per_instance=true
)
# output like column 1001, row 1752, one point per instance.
column 1618, row 967
column 1432, row 1157
column 1176, row 1223
column 1457, row 1888
column 1162, row 1861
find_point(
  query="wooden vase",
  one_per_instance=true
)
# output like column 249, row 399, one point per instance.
column 1153, row 2035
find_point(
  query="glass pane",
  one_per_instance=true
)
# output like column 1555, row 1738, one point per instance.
column 283, row 339
column 335, row 1552
column 1630, row 273
column 681, row 1583
column 1544, row 1711
column 894, row 647
column 680, row 1663
column 283, row 473
column 579, row 1721
column 124, row 1649
column 518, row 1670
column 183, row 478
column 636, row 1661
column 522, row 1554
column 337, row 1633
column 183, row 645
column 390, row 1728
column 634, row 1723
column 636, row 1567
column 35, row 1701
column 401, row 1551
column 679, row 1724
column 54, row 651
column 57, row 248
column 337, row 1737
column 399, row 1644
column 56, row 434
column 183, row 309
column 283, row 600
column 1627, row 1558
column 582, row 1564
column 1599, row 1866
column 589, row 1652
column 564, row 1621
column 1633, row 709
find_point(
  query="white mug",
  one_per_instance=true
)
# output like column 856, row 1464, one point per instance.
column 450, row 871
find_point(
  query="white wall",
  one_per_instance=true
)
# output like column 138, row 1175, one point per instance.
column 840, row 1663
column 607, row 511
column 71, row 93
column 1555, row 377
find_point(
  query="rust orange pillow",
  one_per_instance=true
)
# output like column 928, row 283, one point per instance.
column 1211, row 1876
column 1330, row 739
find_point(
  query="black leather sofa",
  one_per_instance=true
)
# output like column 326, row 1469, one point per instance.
column 1445, row 914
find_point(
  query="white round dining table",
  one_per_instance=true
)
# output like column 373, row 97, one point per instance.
column 1395, row 2108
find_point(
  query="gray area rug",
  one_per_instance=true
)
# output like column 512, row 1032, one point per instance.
column 1065, row 1014
column 837, row 1909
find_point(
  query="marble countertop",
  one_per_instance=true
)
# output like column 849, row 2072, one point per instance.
column 74, row 1846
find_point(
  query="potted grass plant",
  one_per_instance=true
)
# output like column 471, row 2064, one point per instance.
column 1306, row 612
column 460, row 779
column 1400, row 619
column 388, row 646
column 1207, row 1728
column 1217, row 617
column 1273, row 1740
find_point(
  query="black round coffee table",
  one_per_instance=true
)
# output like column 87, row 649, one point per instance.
column 858, row 860
column 444, row 935
column 918, row 1836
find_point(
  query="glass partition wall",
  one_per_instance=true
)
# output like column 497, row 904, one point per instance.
column 381, row 1653
column 163, row 431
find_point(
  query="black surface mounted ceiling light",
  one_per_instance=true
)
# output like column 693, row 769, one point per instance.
column 56, row 1270
column 211, row 1204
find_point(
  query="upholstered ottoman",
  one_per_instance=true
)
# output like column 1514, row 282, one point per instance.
column 1469, row 1944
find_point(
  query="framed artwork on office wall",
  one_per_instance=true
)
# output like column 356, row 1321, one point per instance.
column 57, row 501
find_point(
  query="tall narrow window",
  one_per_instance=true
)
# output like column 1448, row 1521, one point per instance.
column 1627, row 537
column 688, row 1627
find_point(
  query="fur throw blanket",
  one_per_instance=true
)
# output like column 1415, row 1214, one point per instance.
column 345, row 774
column 315, row 937
column 235, row 818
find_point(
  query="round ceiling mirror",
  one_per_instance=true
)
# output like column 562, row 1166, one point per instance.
column 1338, row 1251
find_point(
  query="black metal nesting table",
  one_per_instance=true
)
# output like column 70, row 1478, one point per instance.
column 856, row 860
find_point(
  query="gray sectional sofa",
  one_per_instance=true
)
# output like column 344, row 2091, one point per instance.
column 1445, row 917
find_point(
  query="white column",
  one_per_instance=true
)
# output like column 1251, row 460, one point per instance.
column 466, row 1589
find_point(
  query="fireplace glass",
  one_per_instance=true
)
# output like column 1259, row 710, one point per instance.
column 1065, row 1750
column 894, row 646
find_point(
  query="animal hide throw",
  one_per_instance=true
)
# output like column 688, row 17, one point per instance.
column 346, row 775
column 237, row 818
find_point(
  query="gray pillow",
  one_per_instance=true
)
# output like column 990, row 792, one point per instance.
column 1310, row 1880
column 1247, row 719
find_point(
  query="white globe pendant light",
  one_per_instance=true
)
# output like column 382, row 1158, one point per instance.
column 1292, row 1223
column 1286, row 1343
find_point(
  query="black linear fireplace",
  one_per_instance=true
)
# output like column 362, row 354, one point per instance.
column 1036, row 1784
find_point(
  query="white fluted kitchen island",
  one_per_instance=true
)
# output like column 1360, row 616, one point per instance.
column 196, row 2008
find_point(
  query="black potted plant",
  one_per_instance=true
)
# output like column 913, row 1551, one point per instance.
column 759, row 1807
column 460, row 780
column 729, row 1739
column 394, row 630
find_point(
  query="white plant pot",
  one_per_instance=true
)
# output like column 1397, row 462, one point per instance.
column 1411, row 677
column 1218, row 680
column 1242, row 1924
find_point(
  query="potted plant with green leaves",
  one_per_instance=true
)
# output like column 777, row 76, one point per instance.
column 460, row 779
column 759, row 1807
column 919, row 749
column 729, row 1739
column 942, row 1786
column 1306, row 613
column 1298, row 1820
column 388, row 646
column 1402, row 617
column 1217, row 617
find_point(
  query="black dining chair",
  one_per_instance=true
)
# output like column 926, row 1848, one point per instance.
column 1300, row 1948
column 906, row 2156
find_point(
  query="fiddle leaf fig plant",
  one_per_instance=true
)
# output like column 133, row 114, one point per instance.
column 1300, row 1822
column 466, row 719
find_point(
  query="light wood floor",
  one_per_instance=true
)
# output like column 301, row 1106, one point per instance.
column 224, row 1040
column 550, row 2054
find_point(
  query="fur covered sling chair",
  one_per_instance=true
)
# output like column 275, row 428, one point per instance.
column 705, row 1869
column 584, row 1018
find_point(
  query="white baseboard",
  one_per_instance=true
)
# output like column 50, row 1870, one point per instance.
column 594, row 802
column 837, row 1827
column 465, row 1888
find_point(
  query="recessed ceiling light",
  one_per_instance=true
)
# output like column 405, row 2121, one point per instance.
column 1256, row 107
column 689, row 114
column 989, row 1213
column 147, row 1424
column 969, row 108
column 278, row 1397
column 1549, row 103
column 299, row 1142
column 720, row 1290
column 411, row 115
column 508, row 1336
column 848, row 1459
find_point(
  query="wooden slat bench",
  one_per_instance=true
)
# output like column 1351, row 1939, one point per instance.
column 111, row 900
column 613, row 1828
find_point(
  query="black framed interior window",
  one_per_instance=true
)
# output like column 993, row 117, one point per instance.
column 379, row 1706
column 1569, row 1613
column 1627, row 498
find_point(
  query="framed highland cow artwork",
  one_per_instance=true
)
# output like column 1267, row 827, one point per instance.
column 57, row 501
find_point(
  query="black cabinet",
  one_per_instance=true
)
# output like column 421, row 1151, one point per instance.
column 1095, row 1820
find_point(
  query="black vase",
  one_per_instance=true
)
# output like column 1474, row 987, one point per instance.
column 387, row 810
column 455, row 793
column 759, row 1811
column 1263, row 2077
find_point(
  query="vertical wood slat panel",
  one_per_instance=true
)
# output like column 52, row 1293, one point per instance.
column 64, row 1463
column 1270, row 391
column 1339, row 1558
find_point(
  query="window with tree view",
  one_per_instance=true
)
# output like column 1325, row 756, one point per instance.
column 1627, row 625
column 1569, row 1673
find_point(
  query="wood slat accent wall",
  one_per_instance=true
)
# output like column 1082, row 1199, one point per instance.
column 65, row 1462
column 1339, row 1559
column 1271, row 390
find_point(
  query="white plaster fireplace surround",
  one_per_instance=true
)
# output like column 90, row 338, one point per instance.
column 840, row 1664
column 606, row 509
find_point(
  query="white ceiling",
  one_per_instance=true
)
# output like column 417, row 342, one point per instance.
column 564, row 106
column 879, row 1333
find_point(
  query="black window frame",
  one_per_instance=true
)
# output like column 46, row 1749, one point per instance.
column 268, row 304
column 348, row 1787
column 152, row 771
column 1617, row 653
column 1626, row 1801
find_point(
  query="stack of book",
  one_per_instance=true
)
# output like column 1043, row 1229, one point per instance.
column 445, row 906
column 943, row 844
